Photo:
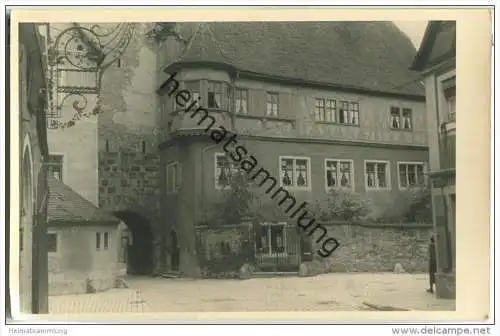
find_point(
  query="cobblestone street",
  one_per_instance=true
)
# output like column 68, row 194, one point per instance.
column 329, row 292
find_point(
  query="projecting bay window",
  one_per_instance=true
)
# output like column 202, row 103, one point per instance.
column 216, row 95
column 338, row 174
column 225, row 169
column 411, row 174
column 193, row 87
column 377, row 175
column 295, row 172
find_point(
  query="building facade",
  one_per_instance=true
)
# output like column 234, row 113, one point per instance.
column 84, row 243
column 436, row 61
column 318, row 105
column 33, row 286
column 101, row 130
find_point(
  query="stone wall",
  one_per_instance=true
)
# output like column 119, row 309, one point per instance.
column 128, row 159
column 378, row 248
column 370, row 248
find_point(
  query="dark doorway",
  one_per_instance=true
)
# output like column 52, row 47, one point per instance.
column 175, row 255
column 140, row 246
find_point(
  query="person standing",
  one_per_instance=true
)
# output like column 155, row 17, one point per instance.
column 432, row 264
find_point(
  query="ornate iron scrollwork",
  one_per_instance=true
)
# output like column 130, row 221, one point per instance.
column 77, row 60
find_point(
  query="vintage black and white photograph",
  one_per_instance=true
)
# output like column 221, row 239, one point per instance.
column 244, row 166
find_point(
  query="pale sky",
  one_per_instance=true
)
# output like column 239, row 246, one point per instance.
column 414, row 29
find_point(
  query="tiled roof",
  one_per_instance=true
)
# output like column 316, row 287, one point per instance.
column 367, row 55
column 66, row 205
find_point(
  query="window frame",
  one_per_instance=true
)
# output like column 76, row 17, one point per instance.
column 414, row 163
column 176, row 180
column 98, row 241
column 270, row 94
column 387, row 173
column 50, row 164
column 240, row 90
column 105, row 241
column 222, row 92
column 338, row 161
column 53, row 234
column 401, row 118
column 351, row 112
column 231, row 168
column 268, row 226
column 294, row 186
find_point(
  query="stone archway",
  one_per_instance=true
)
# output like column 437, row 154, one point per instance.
column 26, row 230
column 140, row 245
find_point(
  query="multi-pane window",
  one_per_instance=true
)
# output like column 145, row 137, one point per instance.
column 215, row 95
column 411, row 175
column 295, row 172
column 325, row 110
column 55, row 166
column 401, row 118
column 338, row 173
column 272, row 108
column 51, row 242
column 101, row 240
column 241, row 101
column 377, row 174
column 348, row 113
column 225, row 169
column 173, row 177
column 271, row 239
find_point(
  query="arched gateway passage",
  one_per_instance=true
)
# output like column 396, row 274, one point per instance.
column 139, row 249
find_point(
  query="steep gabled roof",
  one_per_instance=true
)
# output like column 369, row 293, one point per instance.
column 67, row 206
column 438, row 44
column 373, row 56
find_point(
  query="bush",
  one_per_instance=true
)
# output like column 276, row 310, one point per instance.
column 420, row 209
column 345, row 205
column 234, row 204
